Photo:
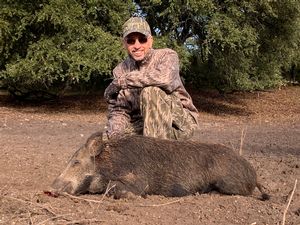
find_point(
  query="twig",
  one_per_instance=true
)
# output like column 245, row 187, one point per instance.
column 243, row 135
column 260, row 110
column 53, row 218
column 84, row 221
column 30, row 218
column 80, row 198
column 5, row 120
column 31, row 203
column 289, row 202
column 232, row 146
column 158, row 205
column 107, row 190
column 91, row 200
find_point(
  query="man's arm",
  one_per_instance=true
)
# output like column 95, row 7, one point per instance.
column 164, row 74
column 118, row 115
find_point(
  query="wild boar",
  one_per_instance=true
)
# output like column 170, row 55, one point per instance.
column 142, row 166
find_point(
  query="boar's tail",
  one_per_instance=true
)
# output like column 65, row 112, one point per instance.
column 264, row 195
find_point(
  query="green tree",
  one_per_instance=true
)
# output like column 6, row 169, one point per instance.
column 48, row 45
column 234, row 45
column 54, row 44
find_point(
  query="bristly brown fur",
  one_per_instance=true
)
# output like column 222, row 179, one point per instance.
column 145, row 166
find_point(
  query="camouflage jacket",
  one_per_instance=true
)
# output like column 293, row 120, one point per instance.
column 159, row 68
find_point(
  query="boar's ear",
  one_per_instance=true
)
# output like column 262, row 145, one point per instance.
column 95, row 144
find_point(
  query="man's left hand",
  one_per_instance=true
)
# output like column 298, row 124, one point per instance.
column 111, row 92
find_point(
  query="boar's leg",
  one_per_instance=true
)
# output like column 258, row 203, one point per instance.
column 128, row 186
column 120, row 191
column 232, row 186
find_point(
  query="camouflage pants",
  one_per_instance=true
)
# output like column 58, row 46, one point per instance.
column 163, row 116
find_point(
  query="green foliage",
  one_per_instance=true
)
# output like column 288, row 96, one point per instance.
column 50, row 45
column 234, row 45
column 165, row 42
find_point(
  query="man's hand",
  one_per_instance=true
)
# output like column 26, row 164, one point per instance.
column 111, row 92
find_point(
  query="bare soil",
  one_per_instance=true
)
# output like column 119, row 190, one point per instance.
column 36, row 141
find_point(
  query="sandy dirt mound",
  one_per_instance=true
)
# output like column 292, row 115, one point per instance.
column 36, row 141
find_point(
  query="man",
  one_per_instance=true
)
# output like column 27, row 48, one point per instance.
column 147, row 96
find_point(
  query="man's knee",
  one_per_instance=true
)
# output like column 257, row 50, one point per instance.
column 151, row 92
column 154, row 98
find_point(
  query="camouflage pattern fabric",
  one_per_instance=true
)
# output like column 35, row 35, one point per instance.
column 160, row 69
column 164, row 115
column 136, row 24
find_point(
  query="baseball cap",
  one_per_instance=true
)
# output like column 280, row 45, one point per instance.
column 136, row 24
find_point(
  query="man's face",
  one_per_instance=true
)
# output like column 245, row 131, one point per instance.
column 138, row 45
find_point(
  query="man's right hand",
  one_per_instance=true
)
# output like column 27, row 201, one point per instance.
column 111, row 92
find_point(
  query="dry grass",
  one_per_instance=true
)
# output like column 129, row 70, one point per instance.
column 289, row 202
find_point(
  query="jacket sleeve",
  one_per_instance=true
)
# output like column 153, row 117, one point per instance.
column 165, row 74
column 118, row 115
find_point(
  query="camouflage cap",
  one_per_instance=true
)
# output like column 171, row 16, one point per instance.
column 136, row 24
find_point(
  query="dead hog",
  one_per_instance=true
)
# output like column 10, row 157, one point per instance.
column 143, row 165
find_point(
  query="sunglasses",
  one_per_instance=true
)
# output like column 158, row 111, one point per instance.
column 142, row 40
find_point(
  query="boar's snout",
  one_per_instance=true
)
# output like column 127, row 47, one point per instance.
column 59, row 186
column 70, row 187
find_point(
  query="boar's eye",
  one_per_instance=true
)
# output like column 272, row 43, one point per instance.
column 75, row 162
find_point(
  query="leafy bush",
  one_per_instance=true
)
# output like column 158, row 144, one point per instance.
column 52, row 45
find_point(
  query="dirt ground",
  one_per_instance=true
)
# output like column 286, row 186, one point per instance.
column 36, row 141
